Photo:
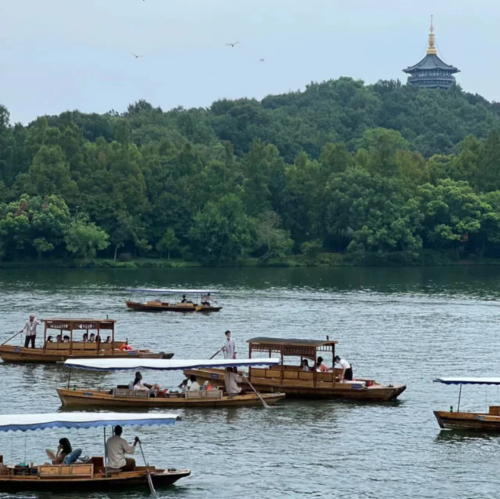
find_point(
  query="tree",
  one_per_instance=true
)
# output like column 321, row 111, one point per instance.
column 271, row 240
column 167, row 243
column 84, row 238
column 221, row 231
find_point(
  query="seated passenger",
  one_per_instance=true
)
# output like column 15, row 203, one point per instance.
column 184, row 299
column 305, row 365
column 319, row 366
column 66, row 339
column 92, row 338
column 59, row 338
column 193, row 385
column 137, row 384
column 64, row 449
column 205, row 300
column 85, row 337
column 231, row 381
column 108, row 339
column 117, row 448
column 49, row 339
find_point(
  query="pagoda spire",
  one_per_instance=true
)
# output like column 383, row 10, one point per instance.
column 431, row 50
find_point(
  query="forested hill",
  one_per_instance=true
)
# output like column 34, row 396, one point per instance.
column 377, row 172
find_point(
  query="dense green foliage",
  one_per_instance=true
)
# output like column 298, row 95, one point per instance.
column 377, row 172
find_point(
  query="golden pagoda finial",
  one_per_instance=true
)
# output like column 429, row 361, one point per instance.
column 432, row 39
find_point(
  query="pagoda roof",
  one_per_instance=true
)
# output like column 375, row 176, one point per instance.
column 432, row 61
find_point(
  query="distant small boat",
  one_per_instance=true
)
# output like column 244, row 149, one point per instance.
column 59, row 351
column 456, row 420
column 123, row 396
column 185, row 305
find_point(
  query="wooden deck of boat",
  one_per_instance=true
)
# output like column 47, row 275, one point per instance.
column 54, row 477
column 16, row 354
column 105, row 399
column 295, row 384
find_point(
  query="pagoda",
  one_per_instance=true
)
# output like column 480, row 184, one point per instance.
column 431, row 71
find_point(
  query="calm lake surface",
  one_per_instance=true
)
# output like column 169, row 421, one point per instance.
column 396, row 325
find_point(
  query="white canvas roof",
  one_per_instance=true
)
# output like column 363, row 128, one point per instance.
column 138, row 364
column 26, row 422
column 468, row 381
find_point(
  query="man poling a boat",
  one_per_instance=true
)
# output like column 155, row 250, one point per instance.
column 30, row 328
column 229, row 347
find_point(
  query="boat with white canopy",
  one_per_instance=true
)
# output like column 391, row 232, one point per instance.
column 457, row 420
column 88, row 474
column 153, row 396
column 185, row 304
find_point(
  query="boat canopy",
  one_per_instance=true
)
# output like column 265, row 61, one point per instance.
column 468, row 381
column 172, row 291
column 138, row 364
column 78, row 420
column 295, row 347
column 82, row 324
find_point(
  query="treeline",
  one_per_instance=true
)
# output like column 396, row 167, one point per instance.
column 379, row 173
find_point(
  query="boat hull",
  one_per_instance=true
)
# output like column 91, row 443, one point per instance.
column 103, row 399
column 9, row 353
column 468, row 421
column 97, row 483
column 161, row 307
column 293, row 389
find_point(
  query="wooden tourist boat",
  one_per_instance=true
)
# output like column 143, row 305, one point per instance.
column 161, row 306
column 123, row 396
column 482, row 421
column 92, row 475
column 54, row 351
column 294, row 382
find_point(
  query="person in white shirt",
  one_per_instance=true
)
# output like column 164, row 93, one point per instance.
column 231, row 381
column 346, row 368
column 116, row 450
column 30, row 328
column 193, row 385
column 229, row 347
column 205, row 300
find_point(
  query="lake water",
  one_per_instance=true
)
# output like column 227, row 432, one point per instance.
column 395, row 325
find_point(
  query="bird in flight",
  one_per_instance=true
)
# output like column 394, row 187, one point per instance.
column 137, row 56
column 262, row 60
column 232, row 44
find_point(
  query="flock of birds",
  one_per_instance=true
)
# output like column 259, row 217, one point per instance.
column 232, row 45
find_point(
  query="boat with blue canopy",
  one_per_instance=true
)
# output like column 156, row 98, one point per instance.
column 185, row 395
column 461, row 420
column 87, row 474
column 187, row 302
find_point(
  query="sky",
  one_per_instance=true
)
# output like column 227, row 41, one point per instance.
column 58, row 55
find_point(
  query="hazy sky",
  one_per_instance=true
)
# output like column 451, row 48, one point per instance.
column 57, row 55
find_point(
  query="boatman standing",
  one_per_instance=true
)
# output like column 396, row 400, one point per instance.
column 30, row 328
column 229, row 347
column 346, row 368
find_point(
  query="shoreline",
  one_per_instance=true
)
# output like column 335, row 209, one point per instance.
column 331, row 260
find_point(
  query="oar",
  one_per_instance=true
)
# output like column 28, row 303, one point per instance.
column 216, row 353
column 12, row 337
column 150, row 480
column 258, row 394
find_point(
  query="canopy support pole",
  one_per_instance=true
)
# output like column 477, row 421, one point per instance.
column 459, row 397
column 105, row 456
